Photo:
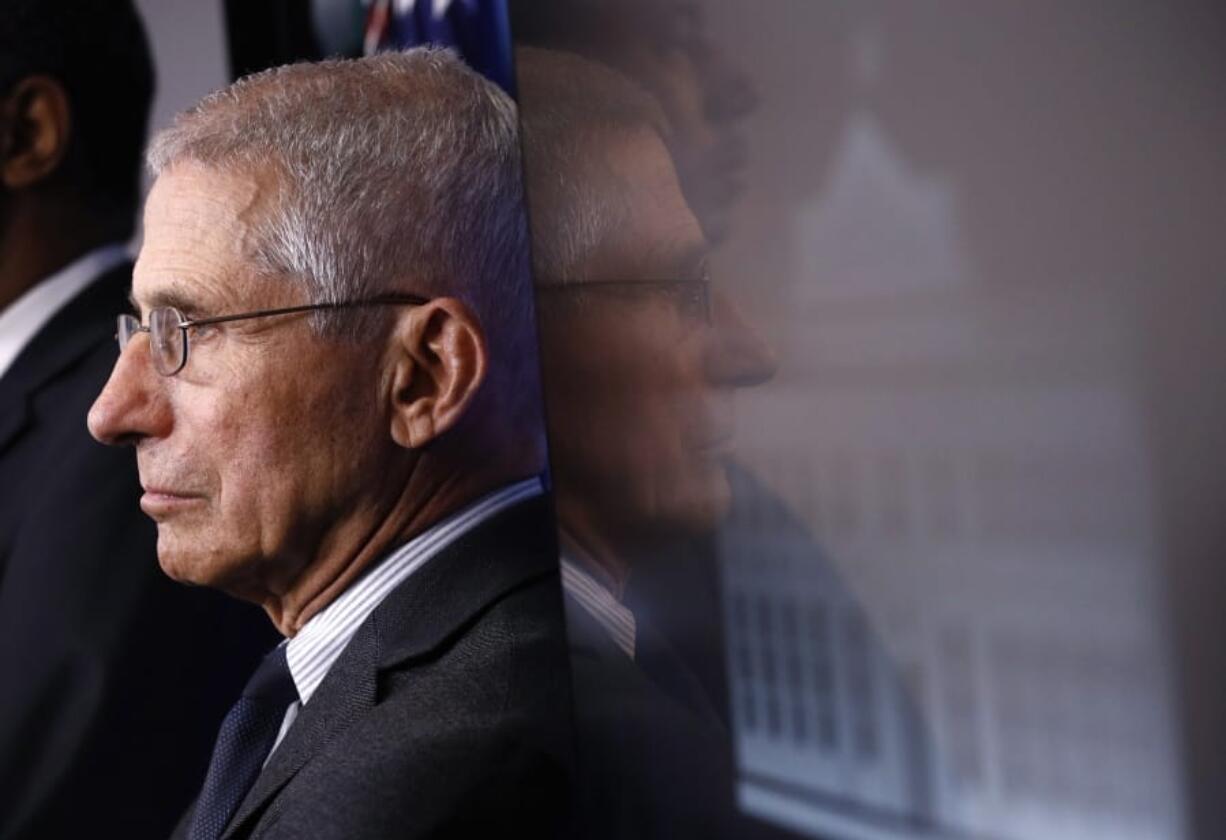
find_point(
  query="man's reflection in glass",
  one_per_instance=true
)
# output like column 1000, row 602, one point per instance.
column 641, row 358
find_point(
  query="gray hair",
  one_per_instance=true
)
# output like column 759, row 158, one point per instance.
column 396, row 173
column 571, row 109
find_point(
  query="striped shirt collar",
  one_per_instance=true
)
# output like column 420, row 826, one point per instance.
column 612, row 615
column 317, row 646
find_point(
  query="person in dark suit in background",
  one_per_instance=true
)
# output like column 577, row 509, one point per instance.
column 112, row 681
column 331, row 389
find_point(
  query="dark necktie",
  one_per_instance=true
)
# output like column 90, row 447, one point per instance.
column 246, row 737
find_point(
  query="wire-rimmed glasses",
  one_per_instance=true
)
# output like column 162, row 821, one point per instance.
column 167, row 328
column 691, row 297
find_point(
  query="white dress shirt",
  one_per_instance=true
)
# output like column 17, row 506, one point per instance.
column 320, row 642
column 23, row 318
column 611, row 614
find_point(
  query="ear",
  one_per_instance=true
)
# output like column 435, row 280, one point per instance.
column 439, row 359
column 35, row 122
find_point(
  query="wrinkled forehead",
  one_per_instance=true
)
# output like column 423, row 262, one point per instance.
column 200, row 231
column 659, row 237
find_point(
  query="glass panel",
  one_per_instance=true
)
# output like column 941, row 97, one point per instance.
column 950, row 571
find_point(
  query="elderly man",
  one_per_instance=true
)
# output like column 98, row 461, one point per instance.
column 331, row 390
column 641, row 359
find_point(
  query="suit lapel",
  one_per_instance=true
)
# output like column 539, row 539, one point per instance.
column 78, row 328
column 512, row 549
column 344, row 696
column 426, row 611
column 661, row 664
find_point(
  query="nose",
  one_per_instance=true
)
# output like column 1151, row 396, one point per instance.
column 132, row 405
column 736, row 355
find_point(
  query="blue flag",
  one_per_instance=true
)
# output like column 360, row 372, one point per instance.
column 477, row 29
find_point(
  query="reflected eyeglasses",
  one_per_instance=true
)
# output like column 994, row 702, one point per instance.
column 692, row 297
column 168, row 328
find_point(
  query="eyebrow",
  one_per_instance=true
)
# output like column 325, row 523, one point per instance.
column 689, row 263
column 683, row 259
column 167, row 297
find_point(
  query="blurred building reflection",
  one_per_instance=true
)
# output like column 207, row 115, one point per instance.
column 940, row 603
column 967, row 443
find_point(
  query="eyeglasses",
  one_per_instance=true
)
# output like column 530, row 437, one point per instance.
column 168, row 328
column 691, row 297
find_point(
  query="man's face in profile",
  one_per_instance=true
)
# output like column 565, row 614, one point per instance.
column 639, row 378
column 268, row 436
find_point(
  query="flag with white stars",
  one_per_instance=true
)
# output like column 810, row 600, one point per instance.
column 476, row 29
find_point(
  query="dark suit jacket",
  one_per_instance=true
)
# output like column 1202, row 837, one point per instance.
column 653, row 757
column 447, row 715
column 106, row 720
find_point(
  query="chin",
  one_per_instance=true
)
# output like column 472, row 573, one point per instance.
column 713, row 511
column 175, row 567
column 699, row 508
column 187, row 564
column 184, row 566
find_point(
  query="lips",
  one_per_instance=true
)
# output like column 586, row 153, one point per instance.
column 716, row 447
column 715, row 431
column 161, row 502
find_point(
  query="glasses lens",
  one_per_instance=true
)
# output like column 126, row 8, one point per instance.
column 166, row 340
column 694, row 301
column 126, row 326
